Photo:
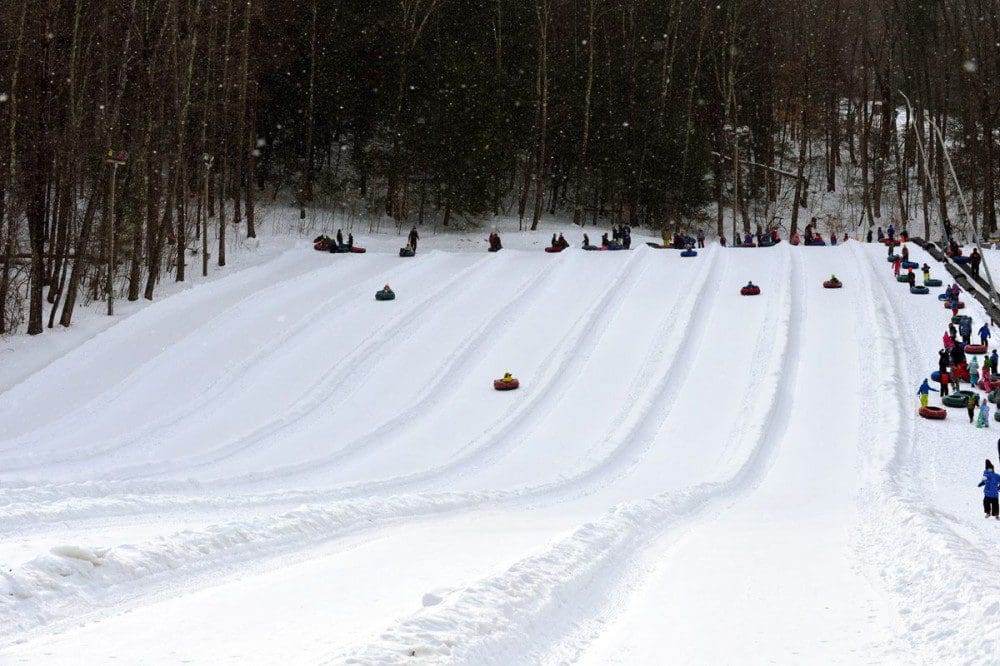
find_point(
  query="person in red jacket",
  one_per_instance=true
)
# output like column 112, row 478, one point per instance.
column 897, row 264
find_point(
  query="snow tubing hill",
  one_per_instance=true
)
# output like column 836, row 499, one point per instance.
column 917, row 289
column 750, row 291
column 689, row 253
column 933, row 282
column 385, row 295
column 975, row 349
column 830, row 284
column 504, row 385
column 933, row 413
column 959, row 399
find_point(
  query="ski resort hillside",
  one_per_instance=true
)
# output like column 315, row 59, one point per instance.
column 287, row 464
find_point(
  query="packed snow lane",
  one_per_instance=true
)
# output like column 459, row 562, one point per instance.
column 775, row 573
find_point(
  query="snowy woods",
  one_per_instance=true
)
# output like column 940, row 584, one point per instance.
column 650, row 113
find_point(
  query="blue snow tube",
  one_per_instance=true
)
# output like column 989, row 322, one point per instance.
column 959, row 259
column 918, row 289
column 933, row 282
column 892, row 257
column 943, row 297
column 815, row 243
column 936, row 376
column 688, row 253
column 910, row 264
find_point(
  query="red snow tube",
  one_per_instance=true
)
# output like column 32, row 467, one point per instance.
column 954, row 305
column 895, row 242
column 555, row 248
column 750, row 291
column 829, row 284
column 975, row 349
column 358, row 250
column 505, row 384
column 933, row 413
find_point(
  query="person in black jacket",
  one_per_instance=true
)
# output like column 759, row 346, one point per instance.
column 974, row 260
column 340, row 237
column 413, row 238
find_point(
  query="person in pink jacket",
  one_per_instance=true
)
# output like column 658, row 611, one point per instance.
column 948, row 341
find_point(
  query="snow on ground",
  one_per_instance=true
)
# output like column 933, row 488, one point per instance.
column 273, row 466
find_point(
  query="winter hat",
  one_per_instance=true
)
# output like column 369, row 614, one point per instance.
column 989, row 465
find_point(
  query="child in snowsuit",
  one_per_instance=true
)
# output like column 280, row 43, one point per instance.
column 911, row 279
column 974, row 371
column 944, row 379
column 991, row 489
column 927, row 272
column 984, row 414
column 984, row 335
column 924, row 392
column 970, row 406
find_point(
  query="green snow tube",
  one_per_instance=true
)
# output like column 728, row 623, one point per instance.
column 933, row 282
column 385, row 295
column 957, row 319
column 959, row 399
column 994, row 395
column 902, row 278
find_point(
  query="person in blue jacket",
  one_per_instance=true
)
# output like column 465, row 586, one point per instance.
column 892, row 232
column 994, row 359
column 991, row 488
column 924, row 392
column 984, row 335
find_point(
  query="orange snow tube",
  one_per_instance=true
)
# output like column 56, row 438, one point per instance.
column 975, row 349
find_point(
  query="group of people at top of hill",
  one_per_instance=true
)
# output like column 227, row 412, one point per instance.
column 684, row 241
column 975, row 259
column 560, row 241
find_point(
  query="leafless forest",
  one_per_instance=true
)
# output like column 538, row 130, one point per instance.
column 655, row 113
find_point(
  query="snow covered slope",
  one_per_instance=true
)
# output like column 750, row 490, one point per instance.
column 295, row 471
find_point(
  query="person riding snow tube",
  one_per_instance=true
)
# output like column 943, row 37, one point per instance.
column 554, row 248
column 959, row 399
column 954, row 305
column 932, row 413
column 385, row 294
column 833, row 283
column 506, row 383
column 750, row 290
column 919, row 290
column 689, row 253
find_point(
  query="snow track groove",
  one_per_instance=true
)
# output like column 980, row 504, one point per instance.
column 500, row 618
column 350, row 294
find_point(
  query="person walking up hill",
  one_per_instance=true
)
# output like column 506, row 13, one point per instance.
column 991, row 488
